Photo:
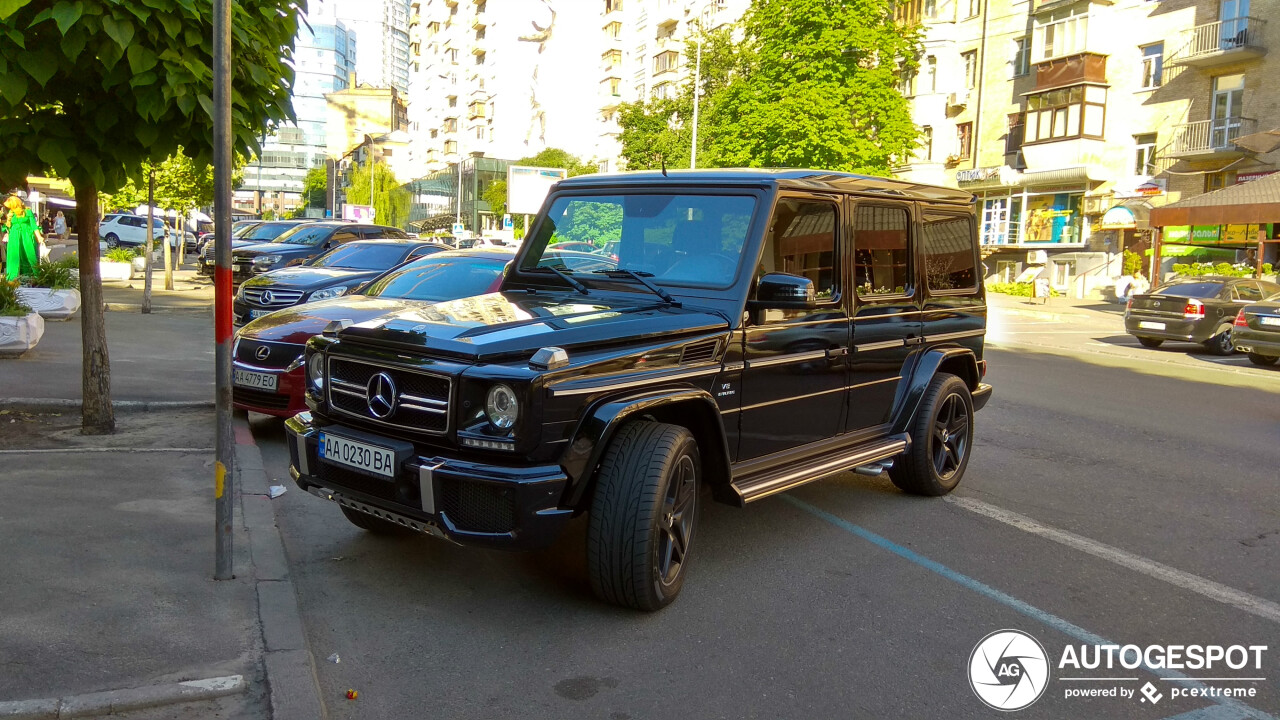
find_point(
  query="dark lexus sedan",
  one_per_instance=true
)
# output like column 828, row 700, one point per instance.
column 1193, row 309
column 1256, row 331
column 268, row 376
column 301, row 243
column 329, row 275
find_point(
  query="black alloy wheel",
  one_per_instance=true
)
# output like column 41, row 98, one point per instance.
column 941, row 440
column 1220, row 343
column 676, row 521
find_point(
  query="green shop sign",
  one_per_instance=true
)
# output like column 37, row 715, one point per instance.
column 1199, row 234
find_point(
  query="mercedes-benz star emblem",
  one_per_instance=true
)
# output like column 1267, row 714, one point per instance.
column 267, row 297
column 380, row 394
column 262, row 352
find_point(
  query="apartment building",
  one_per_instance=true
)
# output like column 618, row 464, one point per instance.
column 359, row 111
column 382, row 31
column 642, row 56
column 1071, row 119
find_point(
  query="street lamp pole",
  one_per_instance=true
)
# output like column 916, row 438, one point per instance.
column 224, row 473
column 697, row 97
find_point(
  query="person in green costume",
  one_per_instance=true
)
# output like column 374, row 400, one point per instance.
column 22, row 228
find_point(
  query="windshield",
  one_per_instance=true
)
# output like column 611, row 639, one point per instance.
column 305, row 235
column 267, row 231
column 360, row 256
column 1195, row 290
column 436, row 279
column 676, row 239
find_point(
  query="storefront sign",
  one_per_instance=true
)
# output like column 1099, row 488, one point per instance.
column 977, row 175
column 1246, row 177
column 1205, row 234
column 1239, row 234
column 1148, row 188
column 1177, row 234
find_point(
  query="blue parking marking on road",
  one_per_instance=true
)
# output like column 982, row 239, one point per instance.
column 1014, row 603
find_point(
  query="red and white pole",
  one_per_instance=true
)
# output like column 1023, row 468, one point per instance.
column 224, row 459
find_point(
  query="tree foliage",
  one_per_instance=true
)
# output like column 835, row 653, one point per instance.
column 812, row 83
column 557, row 158
column 315, row 187
column 390, row 201
column 496, row 196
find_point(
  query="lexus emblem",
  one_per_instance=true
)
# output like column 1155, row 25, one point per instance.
column 267, row 297
column 262, row 352
column 380, row 394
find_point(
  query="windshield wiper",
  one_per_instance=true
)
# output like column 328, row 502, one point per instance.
column 639, row 277
column 572, row 283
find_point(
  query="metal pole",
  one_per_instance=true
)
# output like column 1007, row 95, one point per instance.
column 458, row 219
column 224, row 481
column 151, row 203
column 697, row 97
column 371, row 174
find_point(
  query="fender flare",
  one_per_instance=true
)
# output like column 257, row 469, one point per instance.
column 923, row 372
column 601, row 421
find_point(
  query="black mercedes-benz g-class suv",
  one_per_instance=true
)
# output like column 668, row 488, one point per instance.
column 760, row 330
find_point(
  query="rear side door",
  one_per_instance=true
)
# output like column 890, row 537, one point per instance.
column 793, row 380
column 886, row 316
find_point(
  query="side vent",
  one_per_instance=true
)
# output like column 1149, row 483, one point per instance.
column 700, row 352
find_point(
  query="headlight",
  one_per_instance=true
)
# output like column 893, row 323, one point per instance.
column 315, row 372
column 327, row 293
column 267, row 259
column 240, row 292
column 502, row 407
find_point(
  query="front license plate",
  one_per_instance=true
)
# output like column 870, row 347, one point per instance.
column 255, row 314
column 255, row 380
column 1147, row 325
column 362, row 456
column 1270, row 320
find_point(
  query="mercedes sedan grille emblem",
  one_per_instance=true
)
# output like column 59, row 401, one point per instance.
column 267, row 297
column 380, row 394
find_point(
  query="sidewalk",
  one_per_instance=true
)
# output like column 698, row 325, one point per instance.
column 1058, row 308
column 192, row 292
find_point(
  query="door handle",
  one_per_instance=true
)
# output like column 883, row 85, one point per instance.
column 837, row 352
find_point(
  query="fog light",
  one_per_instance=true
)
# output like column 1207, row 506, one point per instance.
column 487, row 444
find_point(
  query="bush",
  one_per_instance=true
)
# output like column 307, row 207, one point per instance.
column 71, row 261
column 1132, row 263
column 51, row 275
column 1222, row 268
column 125, row 255
column 1025, row 289
column 10, row 304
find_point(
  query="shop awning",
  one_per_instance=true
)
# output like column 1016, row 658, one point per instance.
column 1254, row 202
column 1261, row 143
column 1128, row 215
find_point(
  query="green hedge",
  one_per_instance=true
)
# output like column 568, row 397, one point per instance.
column 1024, row 289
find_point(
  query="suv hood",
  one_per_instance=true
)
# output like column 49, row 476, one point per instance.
column 309, row 278
column 488, row 327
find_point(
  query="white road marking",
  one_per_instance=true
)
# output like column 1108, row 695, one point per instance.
column 1238, row 599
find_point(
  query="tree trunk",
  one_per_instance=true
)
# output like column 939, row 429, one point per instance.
column 97, row 417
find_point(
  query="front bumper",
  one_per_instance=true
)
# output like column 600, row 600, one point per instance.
column 981, row 396
column 512, row 507
column 287, row 400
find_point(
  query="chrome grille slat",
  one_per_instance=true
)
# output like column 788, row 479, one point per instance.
column 424, row 408
column 279, row 298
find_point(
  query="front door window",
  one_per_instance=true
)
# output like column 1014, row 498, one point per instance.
column 1228, row 97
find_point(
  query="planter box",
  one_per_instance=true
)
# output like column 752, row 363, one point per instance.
column 118, row 271
column 51, row 304
column 20, row 334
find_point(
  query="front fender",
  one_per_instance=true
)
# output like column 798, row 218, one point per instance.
column 697, row 410
column 958, row 361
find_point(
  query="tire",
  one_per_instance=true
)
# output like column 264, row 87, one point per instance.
column 375, row 525
column 113, row 241
column 1220, row 343
column 643, row 515
column 1263, row 360
column 941, row 440
column 1150, row 342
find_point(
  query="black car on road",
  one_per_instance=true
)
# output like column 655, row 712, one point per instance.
column 326, row 276
column 244, row 233
column 1193, row 309
column 758, row 331
column 301, row 243
column 1256, row 331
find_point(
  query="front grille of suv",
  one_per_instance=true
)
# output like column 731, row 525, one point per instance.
column 421, row 403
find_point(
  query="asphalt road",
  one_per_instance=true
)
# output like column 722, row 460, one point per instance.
column 1100, row 503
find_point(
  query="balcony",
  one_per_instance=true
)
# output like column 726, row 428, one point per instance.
column 1222, row 42
column 475, row 111
column 668, row 12
column 1210, row 138
column 481, row 18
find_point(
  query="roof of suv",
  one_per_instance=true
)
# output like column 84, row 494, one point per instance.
column 828, row 180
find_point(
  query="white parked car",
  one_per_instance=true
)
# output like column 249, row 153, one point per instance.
column 121, row 230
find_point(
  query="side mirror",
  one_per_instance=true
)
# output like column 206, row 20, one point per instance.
column 784, row 291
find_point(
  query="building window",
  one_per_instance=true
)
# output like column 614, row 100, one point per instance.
column 1215, row 181
column 611, row 86
column 1152, row 65
column 1073, row 112
column 964, row 140
column 451, row 147
column 931, row 9
column 613, row 29
column 1063, row 33
column 931, row 73
column 926, row 143
column 1013, row 139
column 970, row 68
column 612, row 5
column 1021, row 56
column 662, row 91
column 665, row 61
column 480, row 58
column 611, row 59
column 1144, row 154
column 971, row 8
column 451, row 125
column 906, row 83
column 1001, row 220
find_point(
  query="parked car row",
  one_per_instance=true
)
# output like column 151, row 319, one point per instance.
column 1204, row 310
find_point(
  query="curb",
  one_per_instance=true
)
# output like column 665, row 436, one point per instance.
column 46, row 404
column 292, row 684
column 119, row 701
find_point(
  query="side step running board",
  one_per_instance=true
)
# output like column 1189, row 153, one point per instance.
column 785, row 478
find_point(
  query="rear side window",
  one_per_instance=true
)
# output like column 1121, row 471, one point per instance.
column 1248, row 291
column 1191, row 290
column 949, row 262
column 882, row 259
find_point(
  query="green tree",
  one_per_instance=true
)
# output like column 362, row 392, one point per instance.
column 90, row 89
column 496, row 196
column 557, row 158
column 315, row 188
column 390, row 201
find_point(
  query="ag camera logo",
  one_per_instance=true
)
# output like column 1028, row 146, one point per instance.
column 1008, row 670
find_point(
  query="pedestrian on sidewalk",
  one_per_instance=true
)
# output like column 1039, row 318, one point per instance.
column 46, row 224
column 60, row 227
column 1140, row 285
column 22, row 256
column 1124, row 286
